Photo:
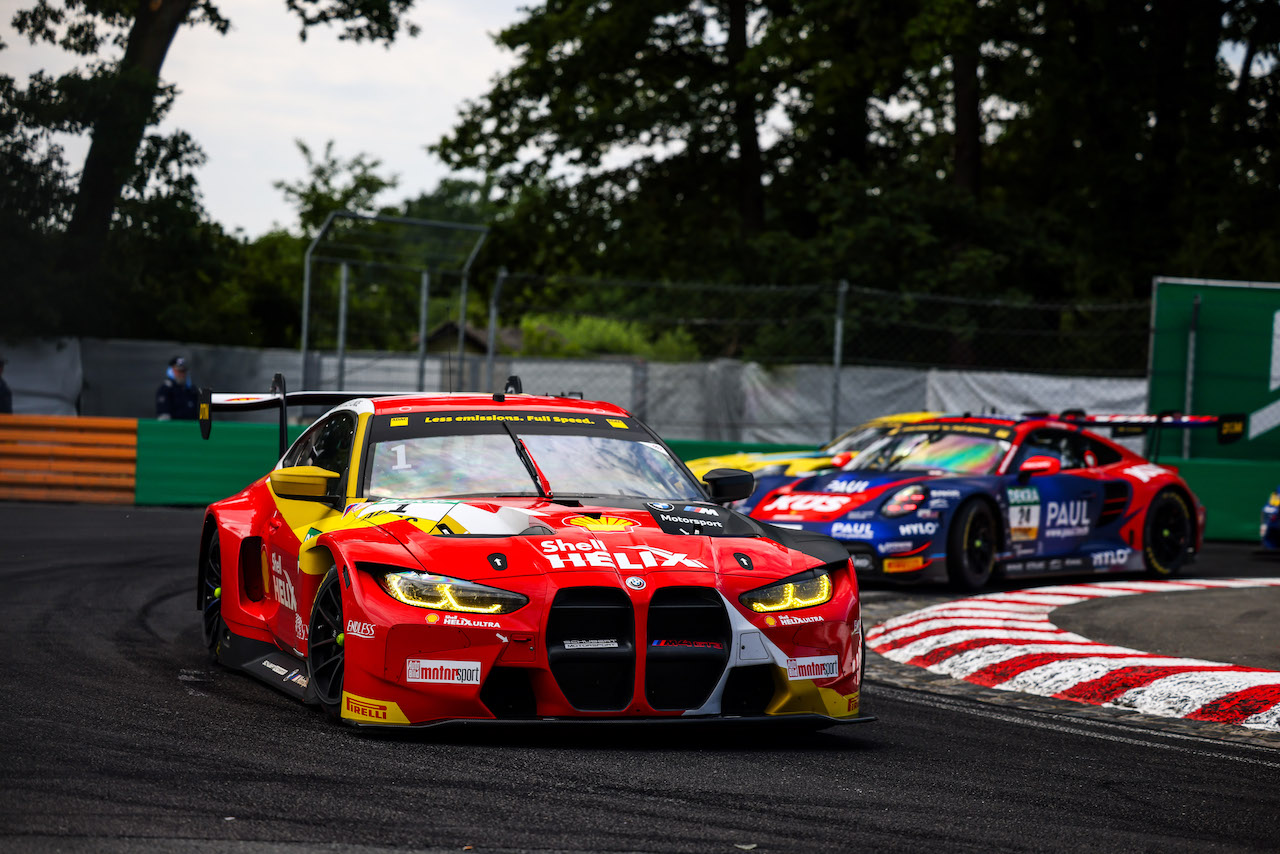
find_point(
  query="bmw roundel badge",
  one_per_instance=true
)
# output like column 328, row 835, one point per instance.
column 635, row 582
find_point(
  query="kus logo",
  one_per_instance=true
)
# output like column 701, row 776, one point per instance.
column 852, row 531
column 807, row 502
column 820, row 667
column 562, row 554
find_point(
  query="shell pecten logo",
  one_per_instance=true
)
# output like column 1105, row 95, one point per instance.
column 604, row 523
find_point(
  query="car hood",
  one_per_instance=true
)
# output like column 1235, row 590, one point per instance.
column 628, row 536
column 830, row 496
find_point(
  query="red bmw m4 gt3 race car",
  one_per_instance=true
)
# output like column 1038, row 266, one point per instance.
column 418, row 560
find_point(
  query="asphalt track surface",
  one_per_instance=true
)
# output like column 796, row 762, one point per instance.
column 119, row 736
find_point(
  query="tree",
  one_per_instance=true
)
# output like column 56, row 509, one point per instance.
column 119, row 96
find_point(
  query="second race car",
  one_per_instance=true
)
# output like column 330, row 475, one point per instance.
column 964, row 499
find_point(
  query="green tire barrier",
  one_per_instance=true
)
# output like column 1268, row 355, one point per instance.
column 175, row 466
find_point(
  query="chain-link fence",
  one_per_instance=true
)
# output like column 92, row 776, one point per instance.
column 758, row 362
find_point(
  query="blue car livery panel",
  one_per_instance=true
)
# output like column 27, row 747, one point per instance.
column 961, row 499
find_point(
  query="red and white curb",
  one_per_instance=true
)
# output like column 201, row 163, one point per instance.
column 1007, row 641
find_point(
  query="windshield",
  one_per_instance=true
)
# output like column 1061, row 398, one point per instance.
column 488, row 463
column 855, row 440
column 935, row 450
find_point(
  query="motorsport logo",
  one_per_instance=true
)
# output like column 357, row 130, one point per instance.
column 820, row 667
column 685, row 520
column 442, row 672
column 689, row 644
column 602, row 643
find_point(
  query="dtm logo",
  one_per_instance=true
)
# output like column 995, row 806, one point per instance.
column 811, row 503
column 918, row 529
column 281, row 586
column 852, row 531
column 848, row 486
column 1111, row 557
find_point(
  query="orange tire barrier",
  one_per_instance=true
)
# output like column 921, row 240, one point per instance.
column 65, row 458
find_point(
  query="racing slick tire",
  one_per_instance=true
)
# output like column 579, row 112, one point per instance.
column 325, row 646
column 213, row 626
column 971, row 547
column 1167, row 534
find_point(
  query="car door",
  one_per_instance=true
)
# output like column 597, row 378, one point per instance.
column 1055, row 512
column 327, row 444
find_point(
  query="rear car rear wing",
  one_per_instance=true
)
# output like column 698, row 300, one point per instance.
column 1230, row 428
column 276, row 398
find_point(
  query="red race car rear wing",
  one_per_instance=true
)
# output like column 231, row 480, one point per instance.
column 277, row 398
column 1230, row 427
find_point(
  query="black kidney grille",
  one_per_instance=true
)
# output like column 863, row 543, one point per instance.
column 688, row 644
column 591, row 647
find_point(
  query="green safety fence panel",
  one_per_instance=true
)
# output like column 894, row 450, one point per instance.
column 1232, row 492
column 176, row 466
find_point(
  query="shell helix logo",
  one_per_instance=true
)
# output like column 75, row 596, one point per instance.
column 604, row 523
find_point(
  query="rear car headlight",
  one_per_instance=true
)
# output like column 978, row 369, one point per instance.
column 806, row 590
column 909, row 499
column 442, row 593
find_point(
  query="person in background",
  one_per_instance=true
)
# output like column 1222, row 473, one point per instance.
column 176, row 398
column 6, row 396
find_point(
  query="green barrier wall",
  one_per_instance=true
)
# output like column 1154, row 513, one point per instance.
column 176, row 466
column 692, row 449
column 1232, row 491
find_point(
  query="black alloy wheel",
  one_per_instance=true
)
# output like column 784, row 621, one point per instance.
column 1167, row 534
column 326, row 638
column 971, row 547
column 214, row 627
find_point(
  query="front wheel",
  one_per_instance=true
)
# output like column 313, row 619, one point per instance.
column 326, row 651
column 1167, row 535
column 971, row 547
column 214, row 627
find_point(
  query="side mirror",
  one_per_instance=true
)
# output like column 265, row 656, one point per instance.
column 841, row 459
column 729, row 484
column 303, row 483
column 1036, row 466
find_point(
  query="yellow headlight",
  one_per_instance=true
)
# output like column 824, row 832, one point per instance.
column 441, row 593
column 789, row 595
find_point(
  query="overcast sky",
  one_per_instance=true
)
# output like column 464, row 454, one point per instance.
column 245, row 97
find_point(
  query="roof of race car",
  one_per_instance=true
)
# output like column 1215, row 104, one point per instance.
column 475, row 400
